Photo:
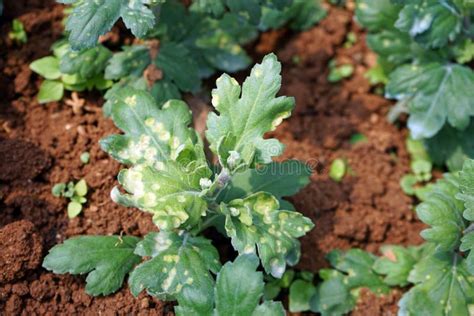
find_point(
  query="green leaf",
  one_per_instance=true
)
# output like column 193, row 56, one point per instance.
column 178, row 67
column 396, row 263
column 238, row 290
column 132, row 60
column 357, row 264
column 278, row 178
column 152, row 135
column 92, row 18
column 337, row 294
column 85, row 157
column 338, row 169
column 47, row 67
column 466, row 195
column 430, row 22
column 179, row 268
column 81, row 188
column 443, row 213
column 74, row 209
column 333, row 297
column 451, row 146
column 244, row 118
column 394, row 46
column 238, row 287
column 106, row 259
column 257, row 221
column 87, row 63
column 58, row 189
column 443, row 286
column 300, row 295
column 50, row 91
column 376, row 15
column 435, row 93
column 269, row 308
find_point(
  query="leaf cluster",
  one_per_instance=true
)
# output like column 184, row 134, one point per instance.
column 71, row 70
column 169, row 176
column 425, row 47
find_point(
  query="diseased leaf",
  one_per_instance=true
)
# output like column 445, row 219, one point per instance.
column 244, row 118
column 443, row 213
column 92, row 18
column 152, row 135
column 430, row 22
column 436, row 94
column 106, row 260
column 180, row 265
column 443, row 286
column 170, row 191
column 256, row 221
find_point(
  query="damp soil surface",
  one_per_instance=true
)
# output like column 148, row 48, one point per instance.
column 40, row 145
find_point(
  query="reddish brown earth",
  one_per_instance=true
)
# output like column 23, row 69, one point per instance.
column 40, row 145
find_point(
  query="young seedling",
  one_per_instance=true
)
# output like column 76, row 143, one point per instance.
column 338, row 169
column 357, row 138
column 337, row 73
column 85, row 157
column 75, row 192
column 18, row 34
column 169, row 176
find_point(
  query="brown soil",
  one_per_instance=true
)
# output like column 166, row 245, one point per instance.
column 40, row 145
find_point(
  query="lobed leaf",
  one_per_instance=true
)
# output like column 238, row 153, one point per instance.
column 246, row 115
column 238, row 290
column 436, row 94
column 256, row 221
column 180, row 267
column 443, row 213
column 376, row 15
column 451, row 146
column 466, row 195
column 152, row 135
column 91, row 18
column 443, row 286
column 396, row 263
column 170, row 191
column 106, row 260
column 432, row 23
column 337, row 294
column 87, row 63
